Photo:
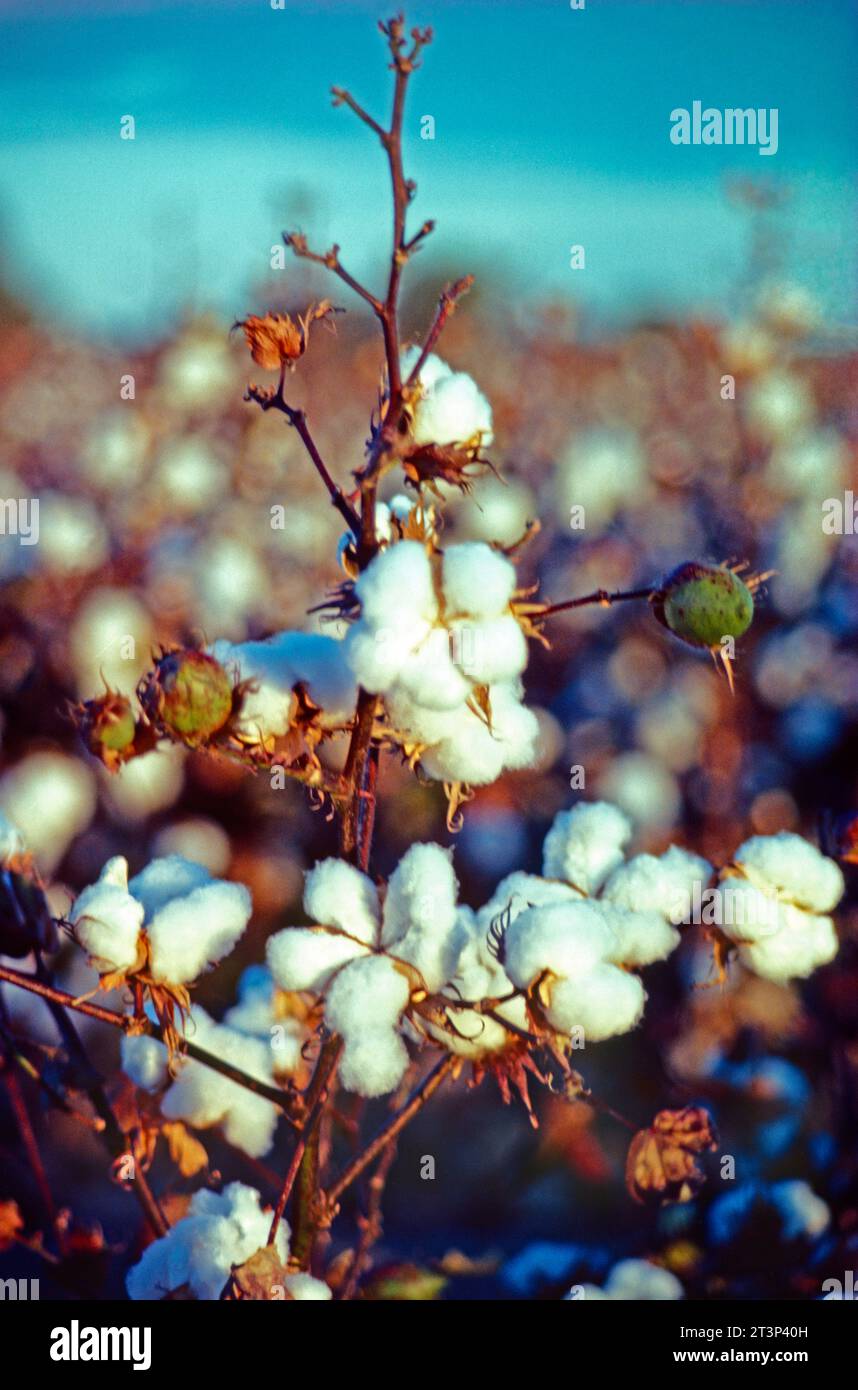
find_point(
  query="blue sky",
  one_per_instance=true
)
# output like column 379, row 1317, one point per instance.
column 552, row 128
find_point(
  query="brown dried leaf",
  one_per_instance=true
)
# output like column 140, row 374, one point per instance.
column 263, row 1277
column 186, row 1151
column 661, row 1166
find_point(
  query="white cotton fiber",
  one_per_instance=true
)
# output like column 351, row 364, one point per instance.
column 397, row 585
column 165, row 879
column 376, row 655
column 489, row 650
column 477, row 580
column 219, row 1230
column 469, row 753
column 585, row 844
column 190, row 934
column 373, row 1063
column 642, row 937
column 420, row 919
column 203, row 1097
column 745, row 913
column 307, row 957
column 453, row 410
column 434, row 369
column 268, row 702
column 607, row 1002
column 318, row 663
column 144, row 1060
column 305, row 1289
column 795, row 950
column 369, row 993
column 518, row 891
column 336, row 894
column 567, row 939
column 429, row 676
column 794, row 868
column 107, row 919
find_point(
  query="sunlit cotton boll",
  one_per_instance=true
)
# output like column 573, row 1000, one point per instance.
column 231, row 583
column 196, row 922
column 778, row 405
column 51, row 798
column 585, row 844
column 107, row 919
column 451, row 409
column 196, row 838
column 197, row 370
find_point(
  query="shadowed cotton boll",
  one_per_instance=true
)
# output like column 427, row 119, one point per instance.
column 221, row 1229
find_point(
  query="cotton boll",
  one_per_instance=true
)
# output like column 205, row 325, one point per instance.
column 305, row 1289
column 795, row 950
column 514, row 725
column 642, row 937
column 368, row 993
column 477, row 580
column 683, row 870
column 110, row 639
column 489, row 651
column 421, row 894
column 518, row 891
column 451, row 410
column 639, row 1279
column 204, row 1098
column 468, row 754
column 306, row 957
column 420, row 724
column 745, row 913
column 336, row 894
column 567, row 939
column 644, row 788
column 793, row 868
column 373, row 1062
column 318, row 663
column 144, row 1060
column 645, row 884
column 165, row 879
column 429, row 677
column 585, row 844
column 397, row 585
column 605, row 1003
column 191, row 934
column 51, row 798
column 107, row 919
column 268, row 703
column 376, row 655
column 220, row 1230
column 434, row 369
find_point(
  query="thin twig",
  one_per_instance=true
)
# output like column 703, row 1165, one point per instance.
column 128, row 1024
column 598, row 596
column 421, row 1094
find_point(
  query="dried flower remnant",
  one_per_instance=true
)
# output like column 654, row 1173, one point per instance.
column 662, row 1164
column 276, row 341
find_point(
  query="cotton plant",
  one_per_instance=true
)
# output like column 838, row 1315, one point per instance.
column 160, row 930
column 221, row 1232
column 390, row 988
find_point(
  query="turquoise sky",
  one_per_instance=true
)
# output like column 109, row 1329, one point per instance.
column 552, row 128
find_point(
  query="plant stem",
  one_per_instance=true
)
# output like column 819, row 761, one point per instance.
column 421, row 1094
column 598, row 596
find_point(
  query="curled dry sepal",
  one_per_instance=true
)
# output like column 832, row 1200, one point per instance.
column 662, row 1164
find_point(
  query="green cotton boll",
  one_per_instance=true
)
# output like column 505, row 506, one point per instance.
column 702, row 604
column 195, row 694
